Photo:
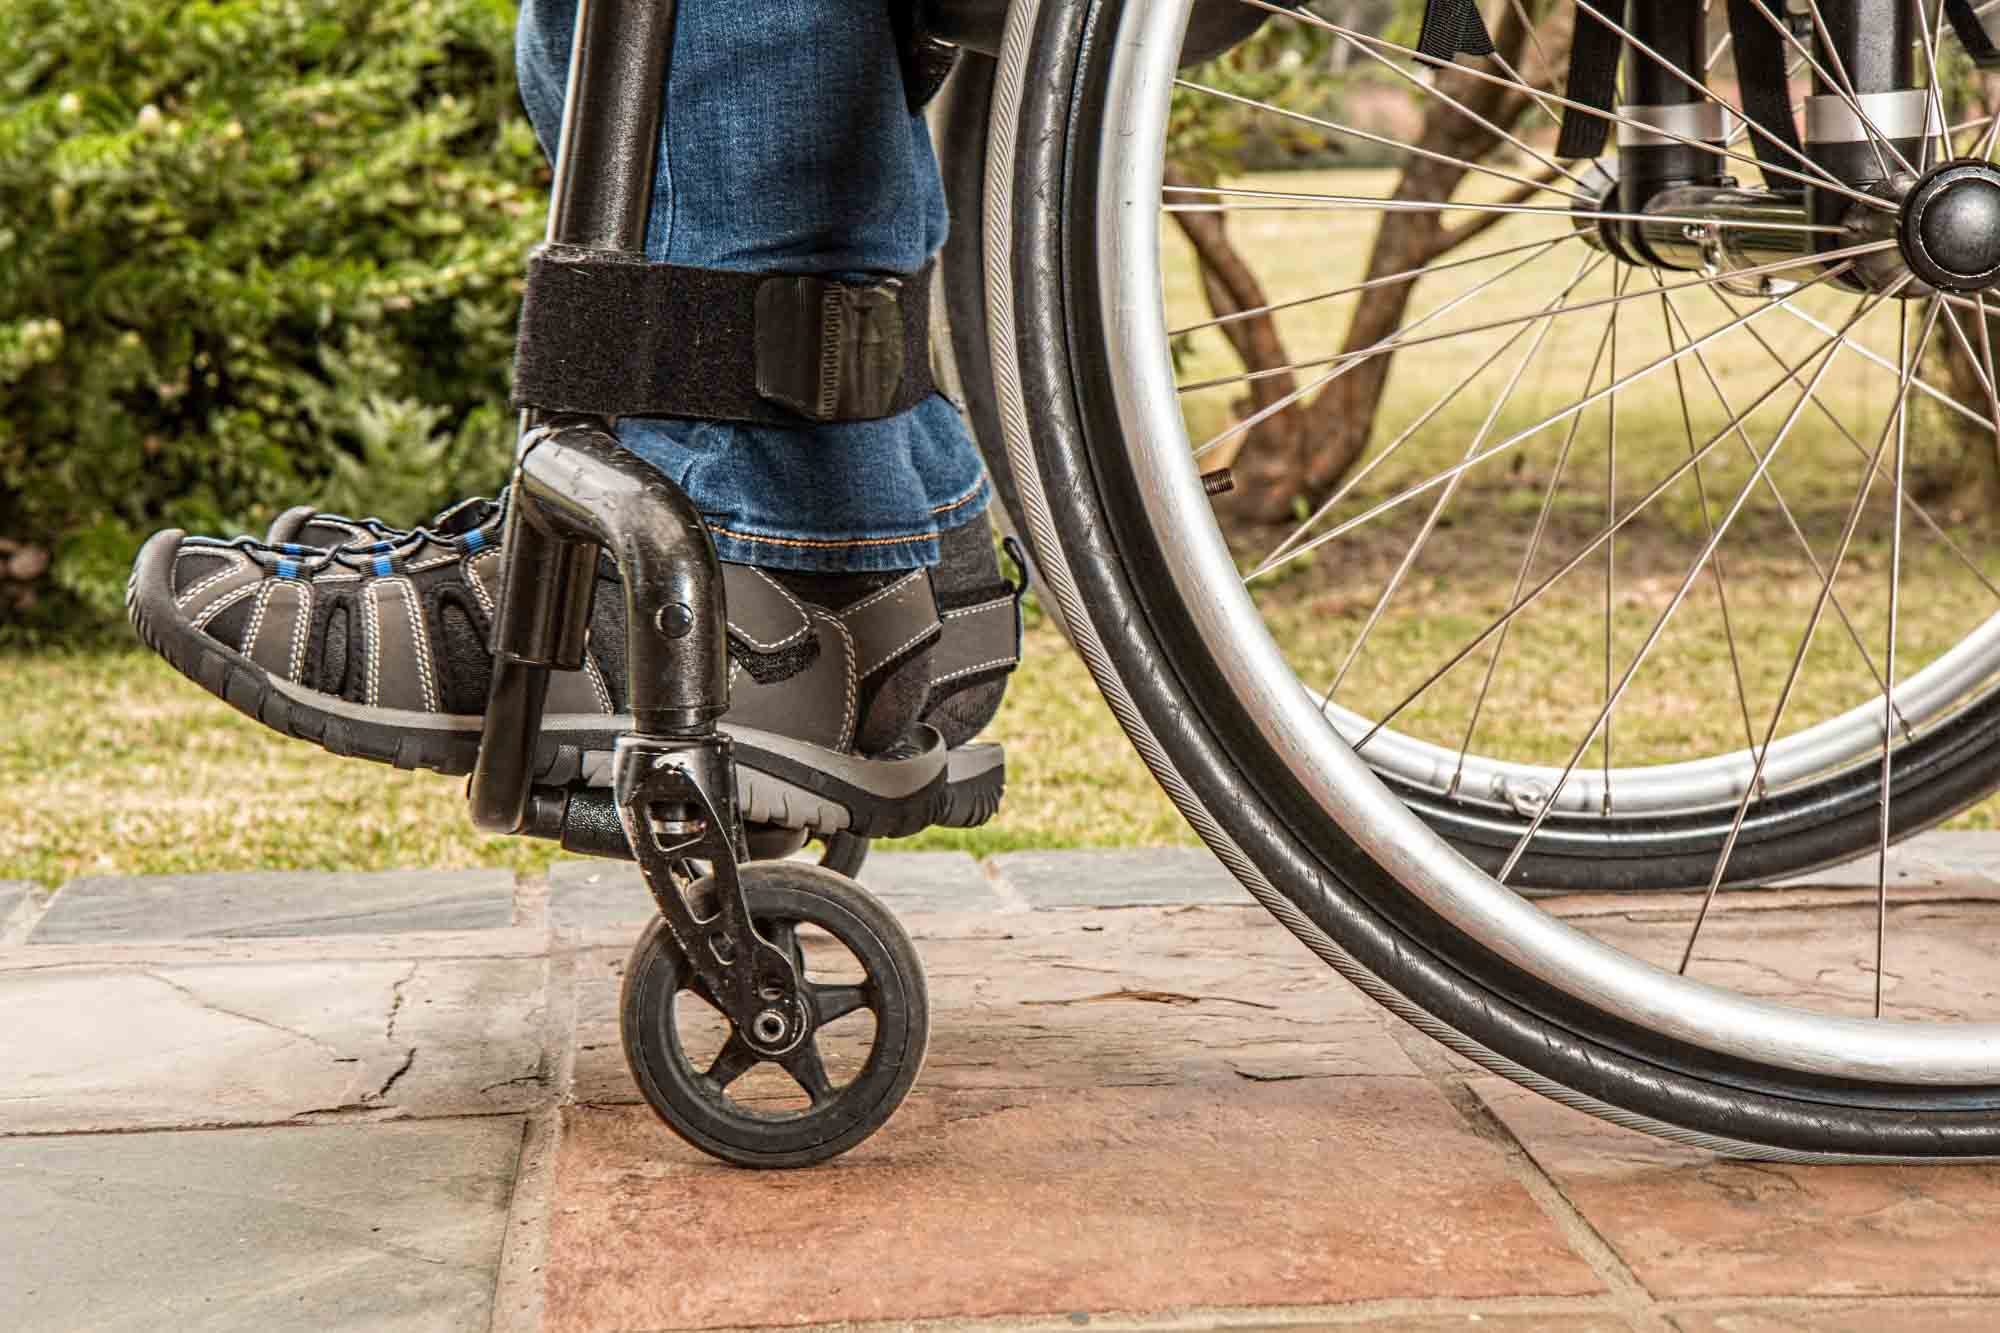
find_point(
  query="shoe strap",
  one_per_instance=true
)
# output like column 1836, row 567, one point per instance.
column 892, row 622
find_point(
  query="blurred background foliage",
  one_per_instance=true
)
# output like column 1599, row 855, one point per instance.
column 250, row 253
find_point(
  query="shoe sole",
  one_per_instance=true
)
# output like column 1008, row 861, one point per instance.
column 780, row 781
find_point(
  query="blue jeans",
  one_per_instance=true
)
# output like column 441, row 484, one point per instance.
column 789, row 148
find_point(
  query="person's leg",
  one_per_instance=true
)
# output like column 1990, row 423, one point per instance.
column 789, row 147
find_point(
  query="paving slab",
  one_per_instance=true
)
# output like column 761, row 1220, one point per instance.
column 1133, row 1111
column 259, row 904
column 1880, row 1316
column 1691, row 1225
column 1815, row 947
column 587, row 895
column 1149, row 877
column 981, row 1204
column 1936, row 859
column 131, row 1046
column 344, row 1227
column 1063, row 999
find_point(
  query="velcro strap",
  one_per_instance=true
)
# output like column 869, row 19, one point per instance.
column 891, row 622
column 1453, row 28
column 1594, row 49
column 982, row 635
column 1760, row 70
column 1972, row 33
column 615, row 336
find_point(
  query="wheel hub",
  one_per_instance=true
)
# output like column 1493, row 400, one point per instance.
column 1950, row 229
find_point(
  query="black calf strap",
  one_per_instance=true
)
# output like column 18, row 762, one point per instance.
column 1972, row 33
column 1453, row 28
column 619, row 337
column 1594, row 49
column 1760, row 70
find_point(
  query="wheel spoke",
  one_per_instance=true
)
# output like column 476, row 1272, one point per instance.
column 1909, row 502
column 1889, row 653
column 835, row 1002
column 1410, row 556
column 1805, row 643
column 1386, row 280
column 1304, row 201
column 1384, row 141
column 1933, row 99
column 1523, row 603
column 1403, row 437
column 1819, row 178
column 1611, row 547
column 1263, row 413
column 1583, row 404
column 732, row 1062
column 1778, row 496
column 1431, row 88
column 1680, row 594
column 1528, row 561
column 1396, row 344
column 1669, row 316
column 808, row 1070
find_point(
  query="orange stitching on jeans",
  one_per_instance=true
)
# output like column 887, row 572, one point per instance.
column 823, row 545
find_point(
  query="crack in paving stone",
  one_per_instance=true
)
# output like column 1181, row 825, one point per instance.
column 538, row 1075
column 1155, row 997
column 227, row 1012
column 390, row 1082
column 396, row 1000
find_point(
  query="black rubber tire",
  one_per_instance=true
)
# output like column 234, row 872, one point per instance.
column 1236, row 785
column 786, row 891
column 962, row 122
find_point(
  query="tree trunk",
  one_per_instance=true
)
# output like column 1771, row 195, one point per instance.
column 1302, row 452
column 1232, row 288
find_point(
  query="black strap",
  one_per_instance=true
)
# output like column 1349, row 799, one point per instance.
column 1594, row 49
column 1453, row 28
column 926, row 61
column 614, row 336
column 1760, row 70
column 1972, row 33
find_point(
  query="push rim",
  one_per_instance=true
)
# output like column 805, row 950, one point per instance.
column 1314, row 755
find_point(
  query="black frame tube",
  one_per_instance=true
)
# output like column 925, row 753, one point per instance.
column 575, row 491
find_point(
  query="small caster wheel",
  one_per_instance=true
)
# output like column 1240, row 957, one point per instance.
column 694, row 1096
column 844, row 852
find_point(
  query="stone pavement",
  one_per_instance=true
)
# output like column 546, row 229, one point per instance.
column 398, row 1102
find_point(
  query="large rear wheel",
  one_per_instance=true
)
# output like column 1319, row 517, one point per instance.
column 1654, row 1022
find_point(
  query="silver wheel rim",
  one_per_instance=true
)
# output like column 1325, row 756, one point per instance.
column 1210, row 587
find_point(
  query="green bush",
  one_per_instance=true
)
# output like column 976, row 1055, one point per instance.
column 251, row 252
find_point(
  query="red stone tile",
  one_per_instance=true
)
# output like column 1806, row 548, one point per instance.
column 1691, row 1224
column 1887, row 1316
column 1040, row 1201
column 1477, row 1320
